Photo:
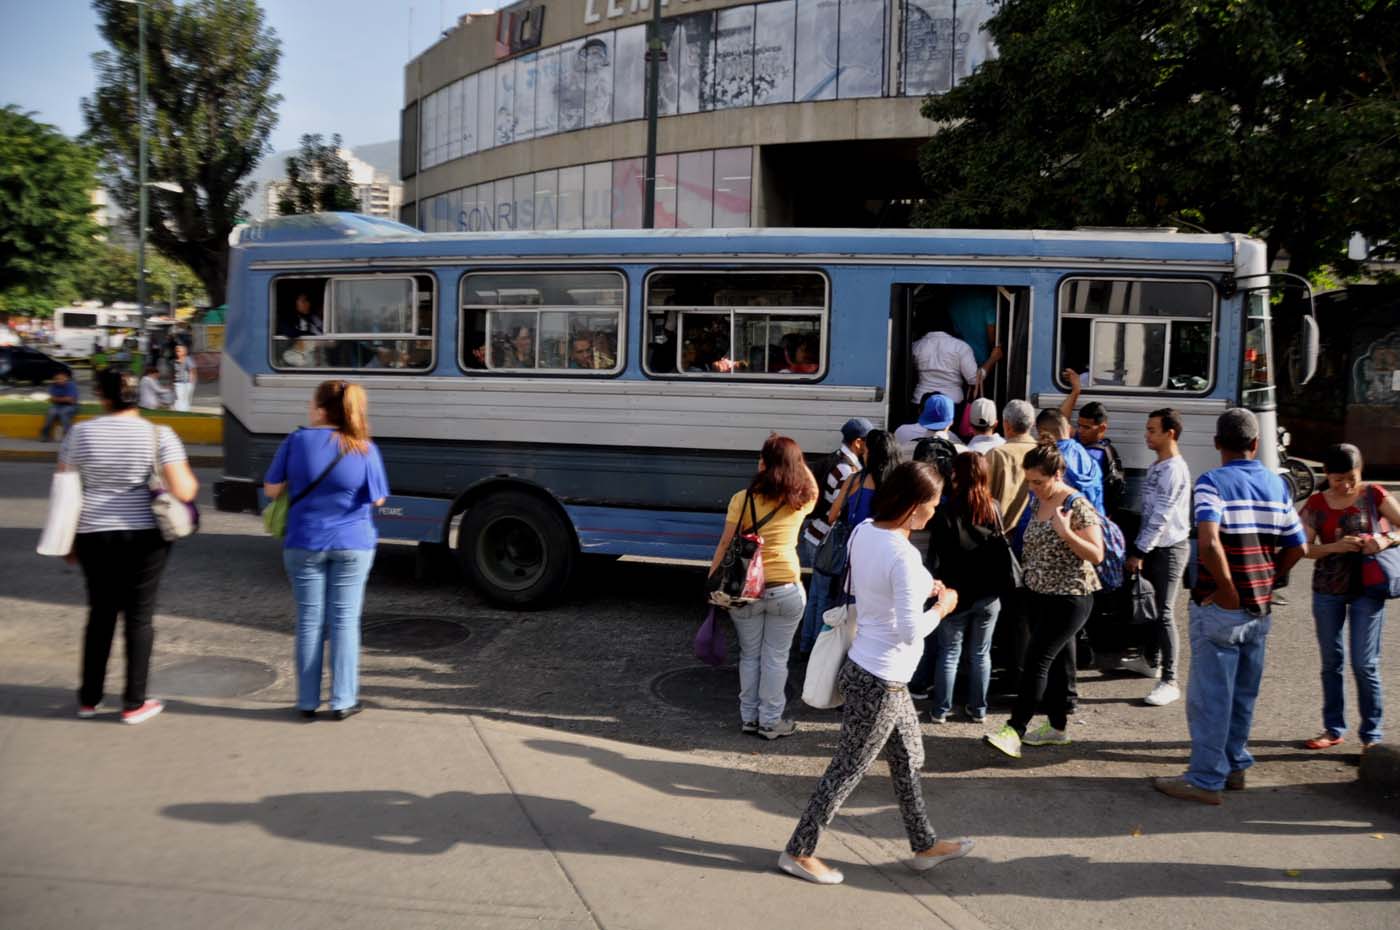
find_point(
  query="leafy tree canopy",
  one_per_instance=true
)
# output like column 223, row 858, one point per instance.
column 210, row 67
column 1276, row 119
column 318, row 179
column 46, row 182
column 109, row 275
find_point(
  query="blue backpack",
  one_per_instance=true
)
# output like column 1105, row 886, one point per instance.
column 1110, row 570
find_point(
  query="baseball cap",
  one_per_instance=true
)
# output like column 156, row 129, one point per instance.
column 937, row 413
column 856, row 428
column 984, row 412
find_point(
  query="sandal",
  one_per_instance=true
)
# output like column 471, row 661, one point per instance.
column 1323, row 741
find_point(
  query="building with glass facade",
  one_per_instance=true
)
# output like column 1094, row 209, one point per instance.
column 777, row 113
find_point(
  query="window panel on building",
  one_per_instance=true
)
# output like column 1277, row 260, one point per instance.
column 629, row 74
column 597, row 195
column 669, row 74
column 571, row 197
column 486, row 109
column 774, row 52
column 928, row 42
column 596, row 54
column 572, row 85
column 547, row 94
column 972, row 24
column 505, row 103
column 526, row 81
column 665, row 202
column 464, row 216
column 697, row 62
column 523, row 203
column 469, row 117
column 628, row 193
column 546, row 200
column 733, row 187
column 695, row 190
column 734, row 34
column 454, row 121
column 426, row 129
column 817, row 34
column 483, row 205
column 440, row 136
column 862, row 46
column 504, row 191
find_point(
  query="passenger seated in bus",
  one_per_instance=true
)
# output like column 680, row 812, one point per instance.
column 303, row 322
column 581, row 353
column 382, row 357
column 475, row 356
column 800, row 354
column 519, row 351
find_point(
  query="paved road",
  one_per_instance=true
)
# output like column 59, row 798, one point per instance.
column 573, row 767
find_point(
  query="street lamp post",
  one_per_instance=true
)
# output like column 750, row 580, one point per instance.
column 141, row 155
column 656, row 53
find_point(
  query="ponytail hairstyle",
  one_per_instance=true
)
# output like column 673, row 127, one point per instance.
column 1045, row 458
column 119, row 387
column 347, row 409
column 785, row 477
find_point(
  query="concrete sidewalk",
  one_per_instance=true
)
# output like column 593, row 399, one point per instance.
column 234, row 814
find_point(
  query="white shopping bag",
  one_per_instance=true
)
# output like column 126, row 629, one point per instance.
column 65, row 503
column 821, row 688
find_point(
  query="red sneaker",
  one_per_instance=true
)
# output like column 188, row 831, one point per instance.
column 143, row 713
column 1323, row 741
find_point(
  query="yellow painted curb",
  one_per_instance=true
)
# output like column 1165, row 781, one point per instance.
column 193, row 431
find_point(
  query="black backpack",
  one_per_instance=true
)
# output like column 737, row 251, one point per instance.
column 1115, row 484
column 939, row 452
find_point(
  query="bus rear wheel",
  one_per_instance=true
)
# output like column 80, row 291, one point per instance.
column 517, row 550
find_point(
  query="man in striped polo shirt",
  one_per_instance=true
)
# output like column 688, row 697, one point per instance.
column 1249, row 537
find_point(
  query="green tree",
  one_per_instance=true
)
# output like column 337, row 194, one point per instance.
column 1276, row 119
column 210, row 67
column 318, row 179
column 109, row 275
column 46, row 182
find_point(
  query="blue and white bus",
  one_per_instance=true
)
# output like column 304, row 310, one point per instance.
column 537, row 395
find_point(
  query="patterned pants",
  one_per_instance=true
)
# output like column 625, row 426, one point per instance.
column 874, row 711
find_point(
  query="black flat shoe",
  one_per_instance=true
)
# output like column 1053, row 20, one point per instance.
column 307, row 714
column 345, row 713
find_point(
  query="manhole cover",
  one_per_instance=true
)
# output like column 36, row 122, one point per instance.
column 713, row 692
column 411, row 634
column 212, row 676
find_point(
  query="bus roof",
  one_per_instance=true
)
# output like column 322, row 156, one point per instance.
column 345, row 235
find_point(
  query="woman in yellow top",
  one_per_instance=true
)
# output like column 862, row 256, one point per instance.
column 785, row 488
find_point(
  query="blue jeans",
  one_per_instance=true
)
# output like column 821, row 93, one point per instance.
column 59, row 414
column 975, row 624
column 329, row 588
column 1227, row 663
column 1367, row 616
column 765, row 629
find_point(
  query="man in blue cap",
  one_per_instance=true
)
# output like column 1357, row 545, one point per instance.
column 934, row 421
column 834, row 472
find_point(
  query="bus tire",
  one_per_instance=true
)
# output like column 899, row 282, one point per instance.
column 517, row 549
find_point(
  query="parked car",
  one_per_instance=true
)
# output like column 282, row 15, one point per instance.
column 21, row 363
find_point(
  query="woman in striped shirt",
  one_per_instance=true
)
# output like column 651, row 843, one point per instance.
column 118, row 545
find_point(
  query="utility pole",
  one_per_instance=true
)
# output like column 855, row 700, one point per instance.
column 656, row 54
column 141, row 156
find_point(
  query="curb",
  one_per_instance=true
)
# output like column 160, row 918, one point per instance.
column 196, row 430
column 46, row 455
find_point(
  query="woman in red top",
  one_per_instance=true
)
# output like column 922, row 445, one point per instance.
column 1342, row 531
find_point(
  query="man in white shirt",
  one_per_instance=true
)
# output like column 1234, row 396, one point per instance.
column 945, row 365
column 984, row 423
column 1161, row 550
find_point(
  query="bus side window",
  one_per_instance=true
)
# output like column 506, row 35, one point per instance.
column 551, row 321
column 360, row 322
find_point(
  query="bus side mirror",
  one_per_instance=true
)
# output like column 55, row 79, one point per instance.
column 1309, row 339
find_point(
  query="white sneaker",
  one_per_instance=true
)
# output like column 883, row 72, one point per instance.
column 1165, row 693
column 1139, row 666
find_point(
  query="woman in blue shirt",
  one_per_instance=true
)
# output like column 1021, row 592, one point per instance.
column 336, row 478
column 881, row 456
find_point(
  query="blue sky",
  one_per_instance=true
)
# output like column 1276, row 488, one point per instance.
column 341, row 71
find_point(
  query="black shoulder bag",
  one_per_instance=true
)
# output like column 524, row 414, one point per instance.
column 726, row 587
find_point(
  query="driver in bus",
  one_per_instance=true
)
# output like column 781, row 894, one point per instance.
column 304, row 323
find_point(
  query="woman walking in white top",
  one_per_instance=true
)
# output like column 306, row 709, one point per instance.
column 890, row 586
column 121, row 551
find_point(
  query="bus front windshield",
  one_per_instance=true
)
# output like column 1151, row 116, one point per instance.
column 1256, row 370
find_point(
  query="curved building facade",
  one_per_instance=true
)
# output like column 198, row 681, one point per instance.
column 774, row 113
